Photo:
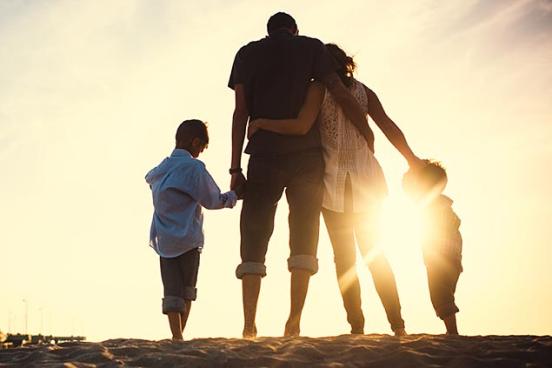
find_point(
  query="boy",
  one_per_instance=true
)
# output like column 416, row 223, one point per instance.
column 180, row 186
column 441, row 240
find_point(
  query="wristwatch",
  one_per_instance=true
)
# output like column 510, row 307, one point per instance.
column 235, row 170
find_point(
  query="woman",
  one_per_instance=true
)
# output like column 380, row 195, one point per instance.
column 354, row 187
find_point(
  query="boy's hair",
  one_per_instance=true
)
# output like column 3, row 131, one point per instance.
column 430, row 179
column 280, row 20
column 190, row 129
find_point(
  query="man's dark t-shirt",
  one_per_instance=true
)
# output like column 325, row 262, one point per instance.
column 276, row 72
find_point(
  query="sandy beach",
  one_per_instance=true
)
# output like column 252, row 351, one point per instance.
column 339, row 351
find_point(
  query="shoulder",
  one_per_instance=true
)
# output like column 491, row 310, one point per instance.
column 197, row 165
column 247, row 48
column 309, row 40
column 313, row 44
column 190, row 167
column 369, row 91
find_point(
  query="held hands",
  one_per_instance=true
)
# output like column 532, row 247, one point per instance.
column 237, row 184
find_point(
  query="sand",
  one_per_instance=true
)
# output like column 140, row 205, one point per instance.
column 338, row 351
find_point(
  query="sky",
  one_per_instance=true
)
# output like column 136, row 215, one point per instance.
column 91, row 93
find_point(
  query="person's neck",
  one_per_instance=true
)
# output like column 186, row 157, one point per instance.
column 184, row 148
column 281, row 32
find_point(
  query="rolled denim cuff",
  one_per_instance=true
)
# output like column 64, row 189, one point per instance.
column 446, row 310
column 303, row 262
column 173, row 304
column 230, row 198
column 250, row 268
column 190, row 293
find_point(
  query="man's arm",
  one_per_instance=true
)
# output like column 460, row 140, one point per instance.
column 389, row 128
column 350, row 106
column 239, row 123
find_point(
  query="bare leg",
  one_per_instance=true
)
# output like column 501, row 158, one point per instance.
column 175, row 325
column 299, row 287
column 450, row 323
column 184, row 315
column 251, row 286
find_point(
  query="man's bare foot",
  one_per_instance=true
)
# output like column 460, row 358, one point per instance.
column 249, row 332
column 450, row 324
column 357, row 331
column 292, row 329
column 400, row 332
column 177, row 338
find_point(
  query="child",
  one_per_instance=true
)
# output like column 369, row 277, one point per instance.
column 180, row 186
column 441, row 241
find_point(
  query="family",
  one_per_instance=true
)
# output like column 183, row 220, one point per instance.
column 305, row 117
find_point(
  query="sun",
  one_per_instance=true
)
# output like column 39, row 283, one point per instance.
column 400, row 229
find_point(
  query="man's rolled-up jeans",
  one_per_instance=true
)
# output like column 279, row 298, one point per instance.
column 300, row 175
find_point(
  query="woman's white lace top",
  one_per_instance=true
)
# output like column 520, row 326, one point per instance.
column 346, row 152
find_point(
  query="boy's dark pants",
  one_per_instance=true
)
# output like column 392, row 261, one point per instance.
column 442, row 277
column 300, row 174
column 179, row 277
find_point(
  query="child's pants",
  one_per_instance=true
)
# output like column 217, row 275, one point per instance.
column 179, row 276
column 442, row 278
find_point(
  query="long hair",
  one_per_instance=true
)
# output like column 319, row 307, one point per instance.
column 346, row 64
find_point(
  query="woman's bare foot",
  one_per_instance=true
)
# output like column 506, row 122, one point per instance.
column 450, row 324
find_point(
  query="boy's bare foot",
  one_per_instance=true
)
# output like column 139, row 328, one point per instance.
column 177, row 338
column 292, row 329
column 400, row 332
column 249, row 332
column 357, row 331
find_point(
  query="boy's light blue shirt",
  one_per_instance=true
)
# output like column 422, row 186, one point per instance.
column 180, row 186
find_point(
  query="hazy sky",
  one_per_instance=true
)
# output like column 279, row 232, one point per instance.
column 91, row 93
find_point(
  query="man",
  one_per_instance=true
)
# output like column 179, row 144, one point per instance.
column 270, row 78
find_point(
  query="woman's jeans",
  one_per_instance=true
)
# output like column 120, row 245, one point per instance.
column 343, row 228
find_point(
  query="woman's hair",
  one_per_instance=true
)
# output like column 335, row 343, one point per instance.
column 346, row 64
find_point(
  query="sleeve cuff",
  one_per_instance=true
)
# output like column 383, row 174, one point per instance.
column 230, row 199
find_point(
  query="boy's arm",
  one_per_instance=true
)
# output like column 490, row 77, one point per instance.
column 390, row 129
column 304, row 121
column 208, row 194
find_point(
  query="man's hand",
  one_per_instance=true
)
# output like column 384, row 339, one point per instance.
column 237, row 184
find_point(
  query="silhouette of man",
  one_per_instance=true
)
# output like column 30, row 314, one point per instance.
column 270, row 78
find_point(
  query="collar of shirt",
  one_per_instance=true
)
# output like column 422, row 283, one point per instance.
column 179, row 152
